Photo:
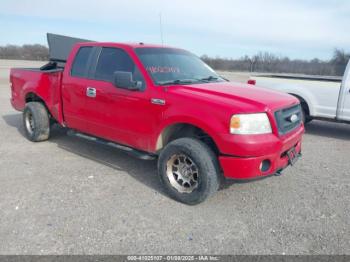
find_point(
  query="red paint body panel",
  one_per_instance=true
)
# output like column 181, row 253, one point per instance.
column 129, row 117
column 249, row 167
column 45, row 85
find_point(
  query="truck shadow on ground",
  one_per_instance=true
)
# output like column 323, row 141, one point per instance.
column 141, row 170
column 146, row 171
column 328, row 129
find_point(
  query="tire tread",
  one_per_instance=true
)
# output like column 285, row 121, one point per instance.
column 208, row 161
column 41, row 122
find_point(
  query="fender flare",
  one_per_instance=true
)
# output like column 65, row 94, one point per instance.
column 172, row 121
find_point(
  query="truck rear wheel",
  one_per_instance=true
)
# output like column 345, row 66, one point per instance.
column 36, row 122
column 189, row 170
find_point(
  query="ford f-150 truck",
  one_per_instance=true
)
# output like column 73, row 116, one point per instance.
column 160, row 102
column 322, row 98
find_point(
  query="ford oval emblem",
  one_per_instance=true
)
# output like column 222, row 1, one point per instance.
column 293, row 118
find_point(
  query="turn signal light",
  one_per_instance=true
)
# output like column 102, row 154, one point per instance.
column 251, row 82
column 235, row 122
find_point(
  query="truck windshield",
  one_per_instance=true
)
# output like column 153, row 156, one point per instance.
column 175, row 66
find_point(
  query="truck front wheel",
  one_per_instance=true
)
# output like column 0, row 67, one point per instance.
column 189, row 170
column 36, row 122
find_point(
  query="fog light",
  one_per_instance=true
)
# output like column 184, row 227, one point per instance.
column 265, row 165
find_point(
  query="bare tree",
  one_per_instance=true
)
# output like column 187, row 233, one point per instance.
column 340, row 60
column 25, row 52
column 270, row 63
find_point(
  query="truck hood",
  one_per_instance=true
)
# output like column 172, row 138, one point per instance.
column 246, row 97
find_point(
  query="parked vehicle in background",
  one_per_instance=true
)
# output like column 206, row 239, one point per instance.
column 324, row 98
column 160, row 102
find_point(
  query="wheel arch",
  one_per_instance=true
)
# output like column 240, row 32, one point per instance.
column 304, row 104
column 176, row 130
column 34, row 97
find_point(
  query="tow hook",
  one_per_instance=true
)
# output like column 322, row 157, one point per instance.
column 278, row 173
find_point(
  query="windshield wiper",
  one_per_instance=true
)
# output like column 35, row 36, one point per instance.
column 177, row 82
column 209, row 78
column 188, row 81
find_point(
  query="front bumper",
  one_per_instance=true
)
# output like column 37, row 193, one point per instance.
column 242, row 168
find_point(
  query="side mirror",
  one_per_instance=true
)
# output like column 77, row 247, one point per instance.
column 124, row 79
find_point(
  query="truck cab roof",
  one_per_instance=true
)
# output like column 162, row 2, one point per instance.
column 127, row 45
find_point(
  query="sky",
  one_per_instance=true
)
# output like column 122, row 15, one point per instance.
column 303, row 29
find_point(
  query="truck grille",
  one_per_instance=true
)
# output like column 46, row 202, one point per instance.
column 288, row 119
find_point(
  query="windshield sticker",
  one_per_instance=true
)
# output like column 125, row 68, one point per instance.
column 163, row 69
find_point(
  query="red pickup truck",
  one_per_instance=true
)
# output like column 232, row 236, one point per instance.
column 160, row 102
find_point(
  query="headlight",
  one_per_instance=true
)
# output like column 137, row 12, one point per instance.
column 250, row 124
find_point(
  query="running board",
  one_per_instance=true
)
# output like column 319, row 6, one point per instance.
column 133, row 152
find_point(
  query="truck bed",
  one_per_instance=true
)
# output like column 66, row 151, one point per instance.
column 301, row 77
column 46, row 84
column 34, row 69
column 320, row 94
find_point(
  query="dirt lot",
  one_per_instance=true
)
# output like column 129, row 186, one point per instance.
column 69, row 196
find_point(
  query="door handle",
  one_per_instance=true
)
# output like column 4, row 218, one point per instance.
column 90, row 92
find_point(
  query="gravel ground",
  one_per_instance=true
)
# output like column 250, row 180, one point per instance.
column 70, row 196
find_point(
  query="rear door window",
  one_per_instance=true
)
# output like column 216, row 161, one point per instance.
column 81, row 62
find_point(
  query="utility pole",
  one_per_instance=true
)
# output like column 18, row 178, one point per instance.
column 161, row 28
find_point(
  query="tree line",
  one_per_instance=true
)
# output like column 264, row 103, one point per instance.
column 261, row 62
column 24, row 52
column 270, row 63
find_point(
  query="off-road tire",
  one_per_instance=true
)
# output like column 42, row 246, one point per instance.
column 208, row 169
column 39, row 129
